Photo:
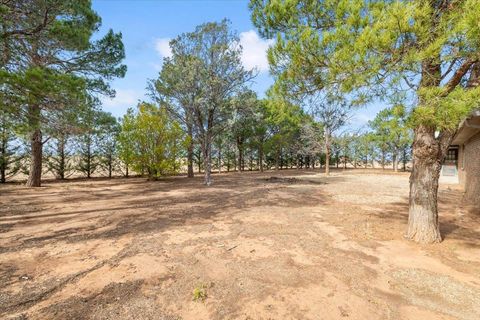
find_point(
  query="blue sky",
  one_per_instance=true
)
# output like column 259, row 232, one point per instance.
column 148, row 25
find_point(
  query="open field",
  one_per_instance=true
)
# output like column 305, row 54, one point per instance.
column 279, row 245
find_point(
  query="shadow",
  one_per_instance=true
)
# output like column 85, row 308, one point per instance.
column 457, row 221
column 142, row 206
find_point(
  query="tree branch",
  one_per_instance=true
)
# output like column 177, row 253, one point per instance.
column 458, row 75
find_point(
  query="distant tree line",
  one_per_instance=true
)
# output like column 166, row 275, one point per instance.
column 202, row 116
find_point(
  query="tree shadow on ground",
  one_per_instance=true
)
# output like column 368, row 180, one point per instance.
column 457, row 222
column 157, row 206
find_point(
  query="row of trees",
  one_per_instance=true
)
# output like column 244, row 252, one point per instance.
column 52, row 73
column 202, row 112
column 86, row 145
column 262, row 134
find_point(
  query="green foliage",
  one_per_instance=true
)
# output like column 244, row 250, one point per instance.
column 445, row 113
column 49, row 63
column 371, row 48
column 198, row 84
column 107, row 143
column 151, row 141
column 391, row 131
column 366, row 148
column 125, row 138
column 59, row 157
column 200, row 293
column 10, row 152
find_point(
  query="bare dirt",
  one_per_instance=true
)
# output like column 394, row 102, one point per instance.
column 279, row 245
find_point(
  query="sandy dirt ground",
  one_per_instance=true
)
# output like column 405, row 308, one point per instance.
column 278, row 245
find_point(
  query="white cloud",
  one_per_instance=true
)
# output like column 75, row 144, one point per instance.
column 123, row 98
column 162, row 47
column 254, row 53
column 363, row 118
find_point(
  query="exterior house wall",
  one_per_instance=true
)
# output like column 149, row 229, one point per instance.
column 461, row 165
column 472, row 169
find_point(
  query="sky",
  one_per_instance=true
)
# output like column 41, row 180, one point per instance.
column 148, row 25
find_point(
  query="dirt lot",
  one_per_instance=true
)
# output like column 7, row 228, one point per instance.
column 278, row 245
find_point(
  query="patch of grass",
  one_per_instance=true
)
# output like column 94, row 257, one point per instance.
column 200, row 293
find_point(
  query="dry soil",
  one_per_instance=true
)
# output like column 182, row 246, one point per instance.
column 278, row 245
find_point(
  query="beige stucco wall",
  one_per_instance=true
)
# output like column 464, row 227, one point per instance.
column 471, row 152
column 461, row 165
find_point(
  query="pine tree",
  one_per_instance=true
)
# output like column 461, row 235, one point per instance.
column 368, row 49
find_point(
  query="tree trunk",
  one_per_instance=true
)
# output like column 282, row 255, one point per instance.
column 126, row 170
column 281, row 158
column 240, row 154
column 428, row 154
column 3, row 156
column 327, row 155
column 207, row 163
column 89, row 160
column 61, row 151
column 219, row 159
column 110, row 167
column 260, row 157
column 395, row 160
column 277, row 159
column 190, row 173
column 200, row 161
column 35, row 174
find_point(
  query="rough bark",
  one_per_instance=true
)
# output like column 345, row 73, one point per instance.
column 61, row 152
column 35, row 174
column 428, row 155
column 36, row 145
column 3, row 159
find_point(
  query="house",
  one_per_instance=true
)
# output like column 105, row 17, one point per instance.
column 462, row 162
